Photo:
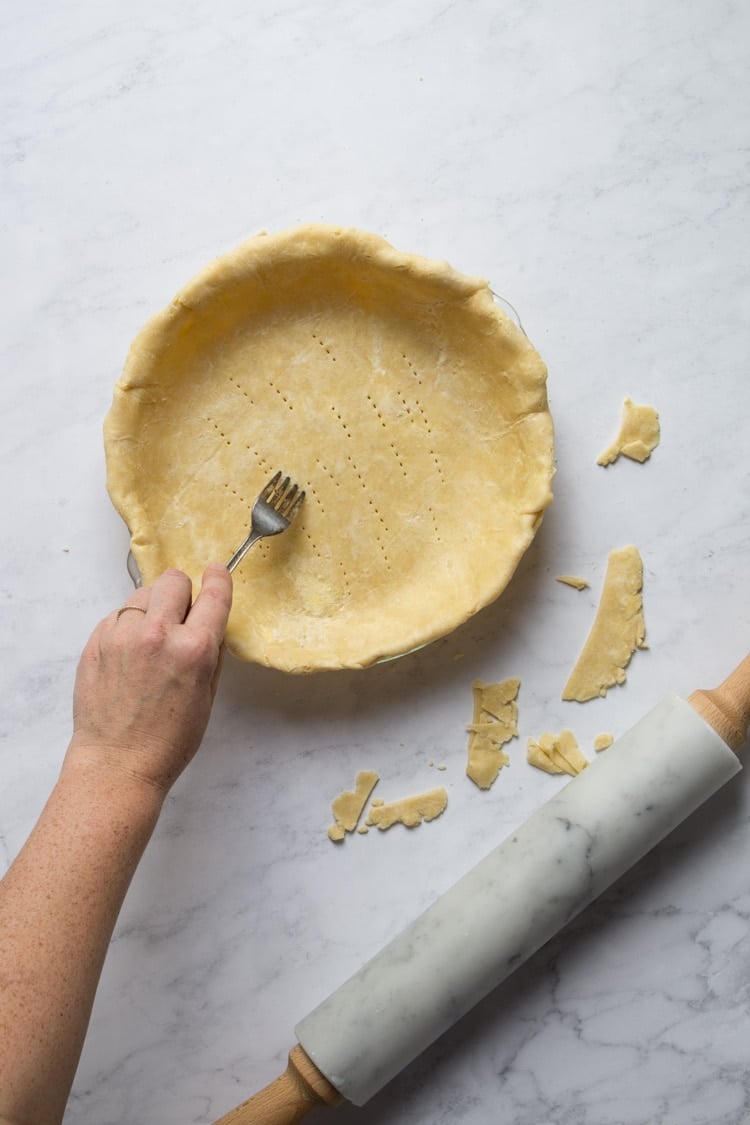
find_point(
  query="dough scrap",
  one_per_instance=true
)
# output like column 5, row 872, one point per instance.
column 556, row 753
column 347, row 808
column 389, row 387
column 638, row 437
column 496, row 702
column 494, row 722
column 572, row 580
column 603, row 741
column 485, row 758
column 409, row 811
column 617, row 631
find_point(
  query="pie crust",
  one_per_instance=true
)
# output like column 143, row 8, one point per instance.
column 390, row 387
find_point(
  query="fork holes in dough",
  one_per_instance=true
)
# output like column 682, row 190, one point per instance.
column 236, row 383
column 434, row 524
column 372, row 505
column 345, row 578
column 221, row 433
column 412, row 369
column 326, row 347
column 313, row 544
column 235, row 493
column 332, row 476
column 284, row 398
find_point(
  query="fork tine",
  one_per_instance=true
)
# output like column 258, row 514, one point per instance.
column 276, row 494
column 286, row 502
column 278, row 500
column 295, row 506
column 270, row 488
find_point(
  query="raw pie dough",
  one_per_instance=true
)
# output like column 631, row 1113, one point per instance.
column 556, row 753
column 494, row 722
column 409, row 811
column 617, row 631
column 572, row 580
column 638, row 437
column 347, row 808
column 392, row 388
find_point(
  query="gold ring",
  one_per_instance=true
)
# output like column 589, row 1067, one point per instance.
column 125, row 609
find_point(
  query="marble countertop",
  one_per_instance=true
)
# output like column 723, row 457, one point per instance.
column 590, row 160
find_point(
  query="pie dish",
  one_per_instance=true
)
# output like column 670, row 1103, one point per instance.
column 392, row 388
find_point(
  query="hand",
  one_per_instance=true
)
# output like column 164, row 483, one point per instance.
column 147, row 679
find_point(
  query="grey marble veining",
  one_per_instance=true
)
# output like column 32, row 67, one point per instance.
column 590, row 160
column 518, row 897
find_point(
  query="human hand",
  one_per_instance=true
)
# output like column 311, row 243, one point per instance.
column 147, row 678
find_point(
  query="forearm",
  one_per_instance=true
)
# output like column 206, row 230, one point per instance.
column 145, row 684
column 58, row 906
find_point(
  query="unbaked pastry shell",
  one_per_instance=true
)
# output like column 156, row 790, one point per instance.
column 392, row 388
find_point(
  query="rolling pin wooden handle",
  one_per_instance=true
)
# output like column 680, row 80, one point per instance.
column 289, row 1098
column 727, row 707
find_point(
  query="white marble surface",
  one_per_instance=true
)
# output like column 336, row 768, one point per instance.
column 519, row 896
column 590, row 159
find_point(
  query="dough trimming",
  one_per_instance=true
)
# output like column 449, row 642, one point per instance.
column 638, row 437
column 556, row 753
column 618, row 629
column 348, row 807
column 494, row 722
column 409, row 811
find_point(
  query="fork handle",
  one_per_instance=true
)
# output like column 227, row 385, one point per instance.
column 242, row 550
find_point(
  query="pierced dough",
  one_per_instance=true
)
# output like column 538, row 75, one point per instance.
column 347, row 808
column 494, row 722
column 556, row 753
column 617, row 631
column 410, row 811
column 389, row 387
column 638, row 437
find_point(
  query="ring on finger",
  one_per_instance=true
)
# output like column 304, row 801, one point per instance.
column 125, row 608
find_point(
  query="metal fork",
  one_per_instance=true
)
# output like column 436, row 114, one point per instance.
column 272, row 512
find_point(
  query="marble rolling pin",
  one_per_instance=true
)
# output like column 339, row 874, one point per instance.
column 514, row 900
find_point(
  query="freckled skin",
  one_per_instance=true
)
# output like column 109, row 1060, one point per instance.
column 145, row 686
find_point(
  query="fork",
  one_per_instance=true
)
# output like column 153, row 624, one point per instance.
column 272, row 512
